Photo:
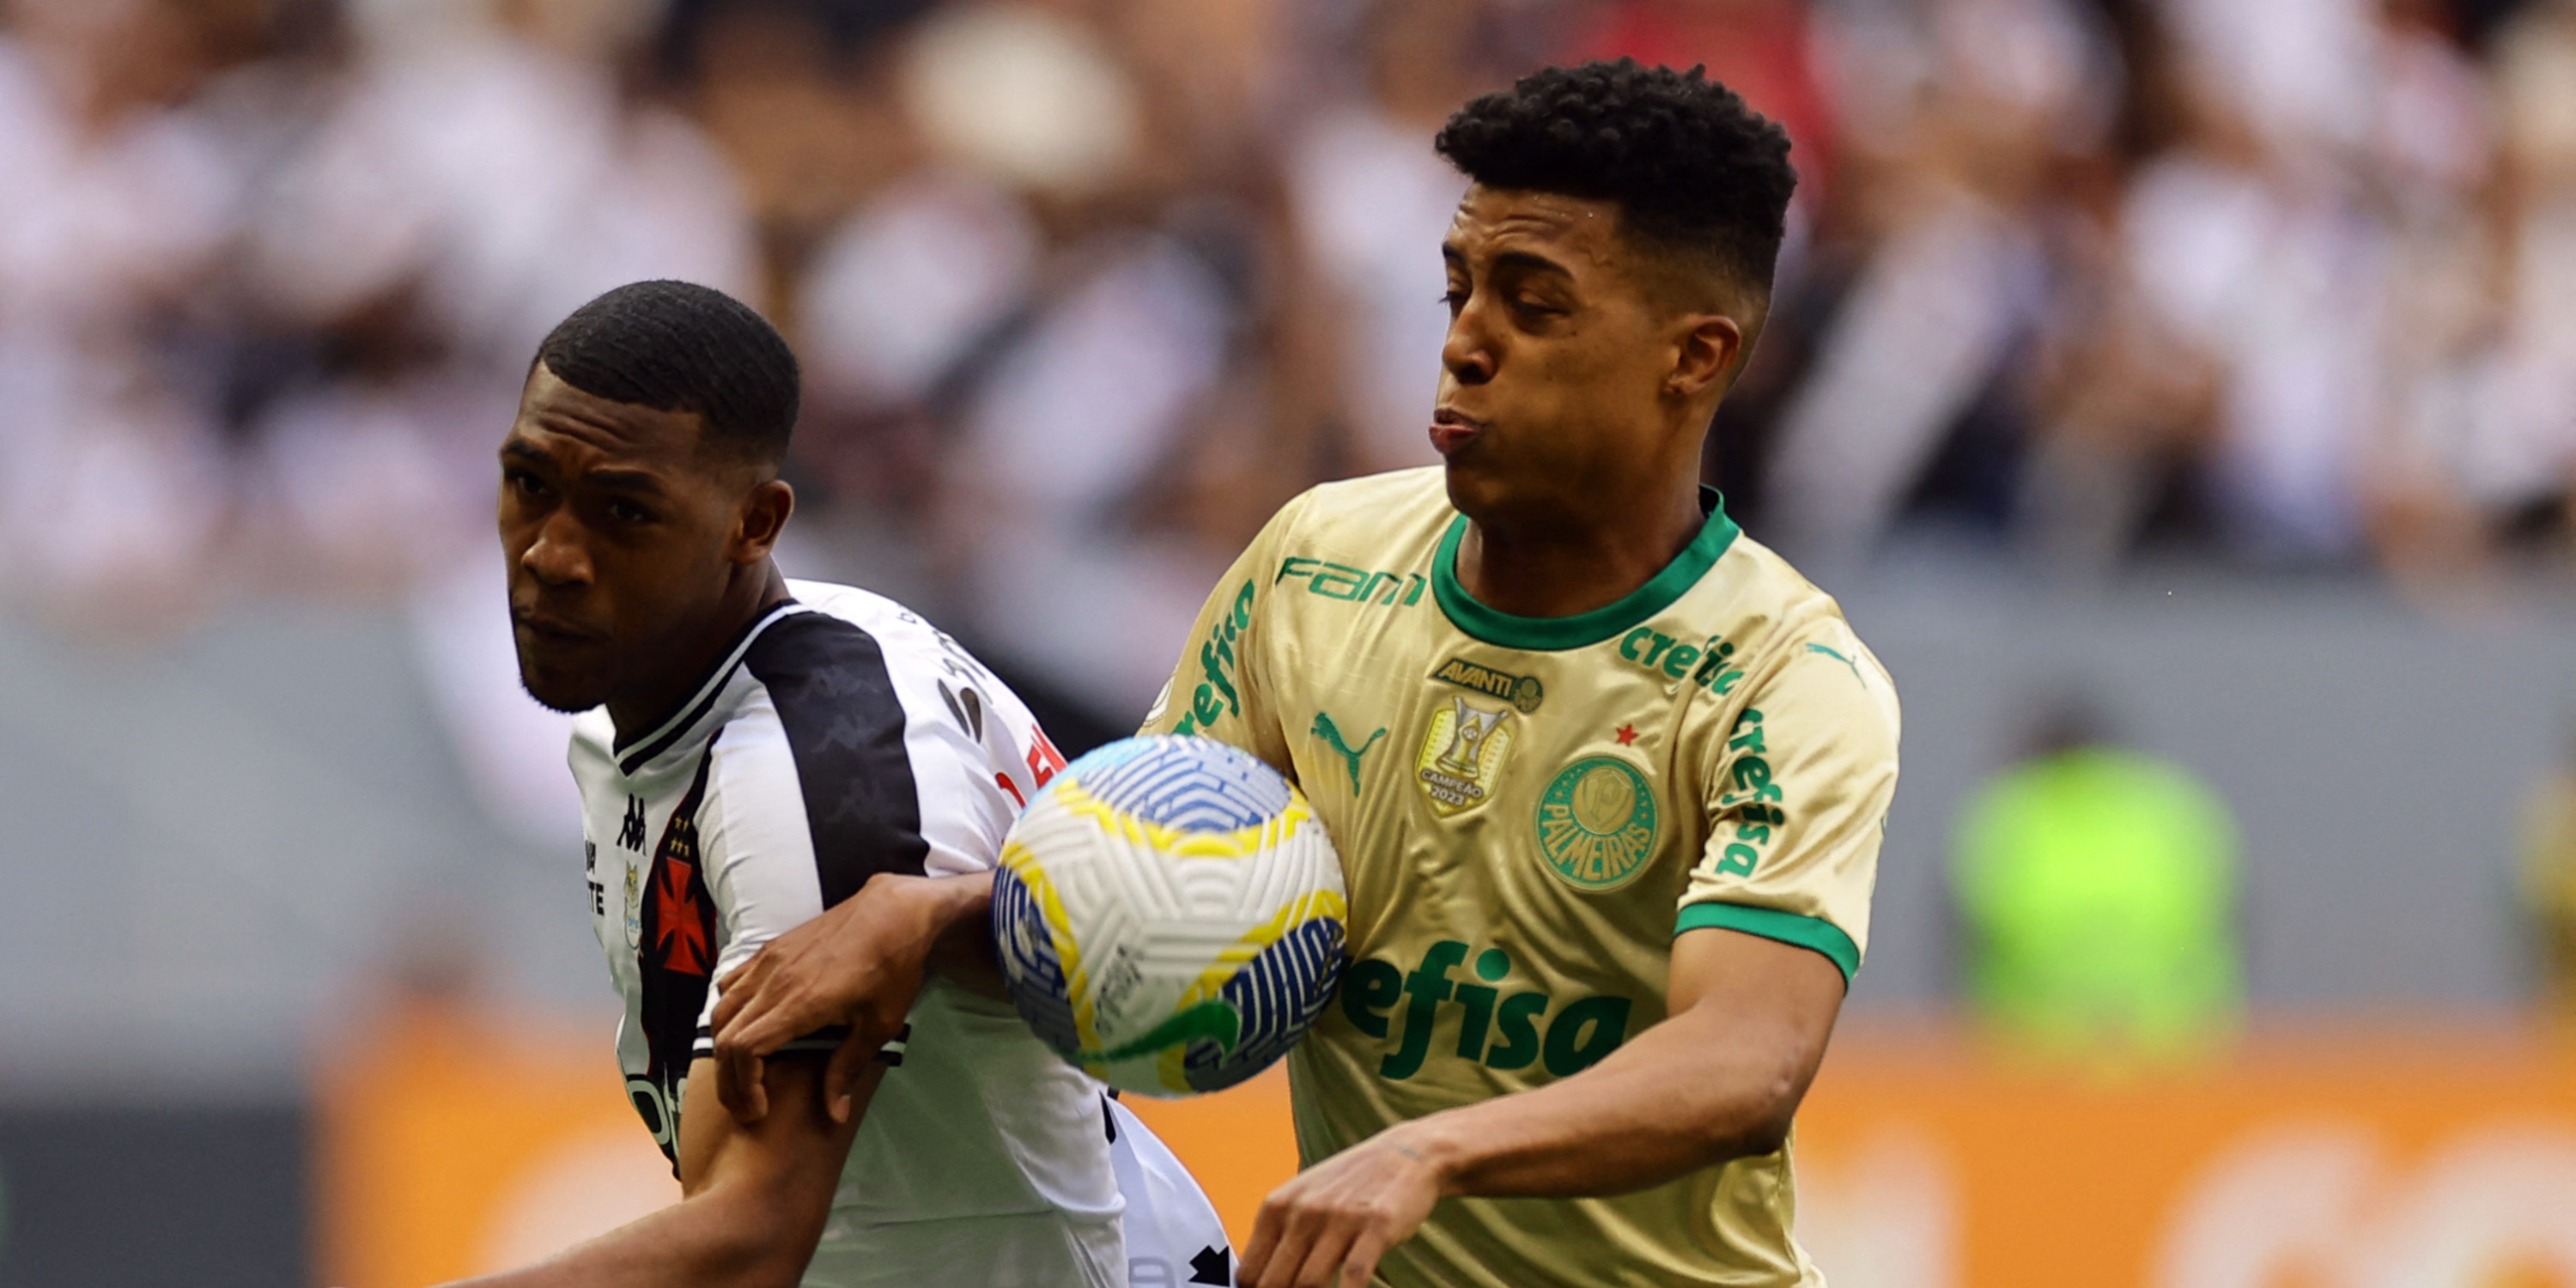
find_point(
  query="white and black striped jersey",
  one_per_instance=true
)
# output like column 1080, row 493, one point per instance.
column 843, row 736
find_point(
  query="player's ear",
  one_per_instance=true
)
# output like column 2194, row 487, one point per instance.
column 1705, row 351
column 763, row 516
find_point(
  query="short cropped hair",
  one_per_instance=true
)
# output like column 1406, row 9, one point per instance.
column 680, row 347
column 1690, row 166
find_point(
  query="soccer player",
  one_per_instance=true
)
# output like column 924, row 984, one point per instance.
column 1607, row 776
column 754, row 751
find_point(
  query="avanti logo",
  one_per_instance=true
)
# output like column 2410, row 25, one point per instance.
column 1501, row 1031
column 1524, row 692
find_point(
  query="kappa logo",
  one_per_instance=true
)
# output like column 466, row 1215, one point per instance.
column 1326, row 730
column 630, row 834
column 1462, row 755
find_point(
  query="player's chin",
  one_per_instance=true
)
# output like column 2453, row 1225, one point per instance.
column 1478, row 486
column 561, row 684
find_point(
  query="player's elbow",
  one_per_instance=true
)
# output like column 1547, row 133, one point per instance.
column 1756, row 1121
column 762, row 1239
column 1767, row 1132
column 759, row 1255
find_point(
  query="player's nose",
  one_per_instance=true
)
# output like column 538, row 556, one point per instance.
column 559, row 556
column 1466, row 354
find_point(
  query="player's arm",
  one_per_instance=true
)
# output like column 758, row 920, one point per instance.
column 860, row 964
column 846, row 966
column 1220, row 687
column 755, row 1196
column 1767, row 938
column 1720, row 1078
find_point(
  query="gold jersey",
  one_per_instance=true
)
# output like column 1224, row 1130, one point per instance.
column 1529, row 810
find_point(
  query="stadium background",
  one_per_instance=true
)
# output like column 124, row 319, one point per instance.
column 2202, row 370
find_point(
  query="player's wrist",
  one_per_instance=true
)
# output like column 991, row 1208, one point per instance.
column 1445, row 1154
column 946, row 901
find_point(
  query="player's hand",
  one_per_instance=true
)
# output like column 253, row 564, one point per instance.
column 859, row 964
column 1328, row 1227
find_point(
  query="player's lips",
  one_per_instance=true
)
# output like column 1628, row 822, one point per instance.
column 1452, row 429
column 555, row 630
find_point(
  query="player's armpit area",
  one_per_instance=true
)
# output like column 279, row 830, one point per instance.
column 756, row 1195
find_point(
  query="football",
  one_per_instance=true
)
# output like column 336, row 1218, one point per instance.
column 1170, row 914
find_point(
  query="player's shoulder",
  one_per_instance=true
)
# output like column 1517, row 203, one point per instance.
column 845, row 625
column 1352, row 530
column 1764, row 602
column 1373, row 511
column 854, row 645
column 1379, row 500
column 1778, row 621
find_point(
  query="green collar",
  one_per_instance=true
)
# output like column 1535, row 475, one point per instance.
column 1494, row 626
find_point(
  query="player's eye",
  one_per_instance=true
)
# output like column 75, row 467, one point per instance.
column 629, row 512
column 524, row 483
column 1456, row 299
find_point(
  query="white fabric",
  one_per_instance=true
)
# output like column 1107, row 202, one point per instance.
column 983, row 1159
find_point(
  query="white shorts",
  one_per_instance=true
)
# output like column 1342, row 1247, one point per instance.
column 1169, row 1237
column 1173, row 1235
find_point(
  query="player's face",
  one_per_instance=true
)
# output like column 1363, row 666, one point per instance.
column 622, row 537
column 1556, row 382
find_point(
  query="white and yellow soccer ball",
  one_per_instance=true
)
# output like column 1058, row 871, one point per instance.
column 1170, row 914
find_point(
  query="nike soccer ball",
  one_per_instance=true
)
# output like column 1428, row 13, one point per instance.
column 1170, row 915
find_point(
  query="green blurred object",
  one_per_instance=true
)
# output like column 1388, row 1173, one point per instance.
column 2098, row 886
column 2548, row 883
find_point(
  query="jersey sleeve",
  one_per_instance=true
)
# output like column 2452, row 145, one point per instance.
column 978, row 756
column 890, row 753
column 761, row 868
column 1220, row 688
column 1797, row 798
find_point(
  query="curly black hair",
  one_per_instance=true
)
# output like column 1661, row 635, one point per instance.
column 1688, row 163
column 678, row 346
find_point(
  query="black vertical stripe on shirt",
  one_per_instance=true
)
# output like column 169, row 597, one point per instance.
column 845, row 724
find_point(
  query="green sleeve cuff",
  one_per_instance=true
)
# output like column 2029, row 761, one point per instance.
column 1812, row 933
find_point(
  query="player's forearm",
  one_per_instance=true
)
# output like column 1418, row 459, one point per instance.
column 756, row 1195
column 1666, row 1104
column 719, row 1239
column 964, row 952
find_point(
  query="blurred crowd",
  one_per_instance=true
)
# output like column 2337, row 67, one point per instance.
column 1085, row 287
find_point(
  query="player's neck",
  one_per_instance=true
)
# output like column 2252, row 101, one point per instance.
column 1560, row 570
column 745, row 602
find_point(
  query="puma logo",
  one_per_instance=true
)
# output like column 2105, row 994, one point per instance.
column 1325, row 729
column 1855, row 666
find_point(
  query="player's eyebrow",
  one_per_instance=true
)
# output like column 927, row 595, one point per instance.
column 1529, row 261
column 524, row 452
column 617, row 479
